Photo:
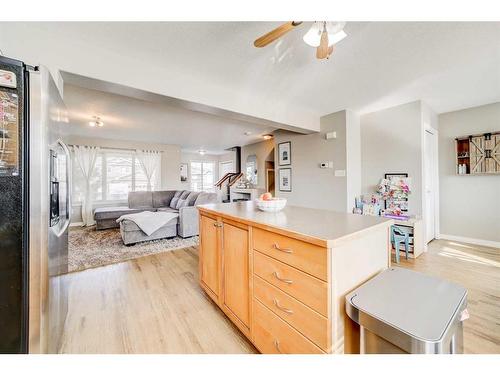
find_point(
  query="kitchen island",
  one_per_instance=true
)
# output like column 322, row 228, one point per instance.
column 282, row 277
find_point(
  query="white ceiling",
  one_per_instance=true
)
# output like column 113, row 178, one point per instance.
column 127, row 118
column 449, row 65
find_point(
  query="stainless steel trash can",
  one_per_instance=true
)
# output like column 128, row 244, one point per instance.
column 403, row 311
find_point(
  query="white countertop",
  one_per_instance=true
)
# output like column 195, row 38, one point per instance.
column 328, row 226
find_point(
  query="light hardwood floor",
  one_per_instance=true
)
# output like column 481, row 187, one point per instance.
column 478, row 269
column 154, row 304
column 151, row 304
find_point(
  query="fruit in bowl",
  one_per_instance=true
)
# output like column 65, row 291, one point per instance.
column 266, row 197
column 267, row 203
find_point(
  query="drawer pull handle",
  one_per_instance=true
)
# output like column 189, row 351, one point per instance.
column 277, row 345
column 277, row 304
column 286, row 281
column 277, row 247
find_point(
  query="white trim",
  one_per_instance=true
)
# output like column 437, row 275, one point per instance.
column 474, row 241
column 79, row 224
column 426, row 127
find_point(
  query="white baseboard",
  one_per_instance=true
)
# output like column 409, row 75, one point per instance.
column 474, row 241
column 79, row 224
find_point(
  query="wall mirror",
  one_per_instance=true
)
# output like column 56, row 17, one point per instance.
column 251, row 169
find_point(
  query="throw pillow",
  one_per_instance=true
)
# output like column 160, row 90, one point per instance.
column 192, row 197
column 173, row 202
column 184, row 194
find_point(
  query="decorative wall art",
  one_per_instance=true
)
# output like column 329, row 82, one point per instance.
column 285, row 179
column 184, row 172
column 285, row 153
column 394, row 189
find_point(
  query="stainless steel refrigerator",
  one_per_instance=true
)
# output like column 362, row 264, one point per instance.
column 34, row 209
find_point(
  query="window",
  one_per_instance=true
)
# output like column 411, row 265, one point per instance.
column 202, row 176
column 116, row 173
column 225, row 167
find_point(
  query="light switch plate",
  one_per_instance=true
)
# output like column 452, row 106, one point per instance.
column 340, row 173
column 331, row 135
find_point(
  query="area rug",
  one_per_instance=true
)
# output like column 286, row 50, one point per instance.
column 89, row 248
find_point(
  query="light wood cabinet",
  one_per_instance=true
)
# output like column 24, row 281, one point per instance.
column 225, row 267
column 210, row 255
column 235, row 264
column 285, row 290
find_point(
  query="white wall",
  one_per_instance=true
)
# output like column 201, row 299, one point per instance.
column 312, row 186
column 353, row 157
column 89, row 49
column 469, row 205
column 391, row 142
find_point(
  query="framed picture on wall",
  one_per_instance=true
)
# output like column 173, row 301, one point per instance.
column 285, row 179
column 184, row 172
column 398, row 198
column 285, row 153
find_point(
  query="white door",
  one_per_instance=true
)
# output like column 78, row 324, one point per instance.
column 430, row 168
column 225, row 167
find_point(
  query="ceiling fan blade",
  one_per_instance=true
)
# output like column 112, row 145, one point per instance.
column 271, row 36
column 322, row 50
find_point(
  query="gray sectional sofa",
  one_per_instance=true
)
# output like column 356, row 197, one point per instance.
column 179, row 201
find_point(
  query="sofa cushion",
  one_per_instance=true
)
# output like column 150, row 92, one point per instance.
column 140, row 199
column 175, row 198
column 167, row 209
column 162, row 198
column 181, row 203
column 205, row 198
column 130, row 226
column 192, row 197
column 103, row 213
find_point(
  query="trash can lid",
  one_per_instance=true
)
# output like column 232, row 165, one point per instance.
column 421, row 306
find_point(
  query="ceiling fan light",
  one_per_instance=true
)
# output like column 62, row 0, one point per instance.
column 92, row 123
column 334, row 29
column 313, row 36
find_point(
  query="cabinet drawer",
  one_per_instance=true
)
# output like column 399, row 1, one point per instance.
column 305, row 320
column 273, row 336
column 302, row 255
column 305, row 288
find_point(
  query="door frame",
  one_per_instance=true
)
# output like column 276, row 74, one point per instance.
column 435, row 184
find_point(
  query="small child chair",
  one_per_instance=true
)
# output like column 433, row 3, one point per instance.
column 397, row 237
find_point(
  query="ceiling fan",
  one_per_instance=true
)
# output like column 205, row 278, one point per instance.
column 323, row 35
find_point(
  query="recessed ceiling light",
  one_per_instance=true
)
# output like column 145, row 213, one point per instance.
column 202, row 152
column 267, row 136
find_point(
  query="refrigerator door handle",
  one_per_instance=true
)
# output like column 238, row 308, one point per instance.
column 68, row 187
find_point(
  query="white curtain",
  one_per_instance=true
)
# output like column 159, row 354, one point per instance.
column 85, row 157
column 150, row 162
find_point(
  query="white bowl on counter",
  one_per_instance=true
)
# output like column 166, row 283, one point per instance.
column 272, row 205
